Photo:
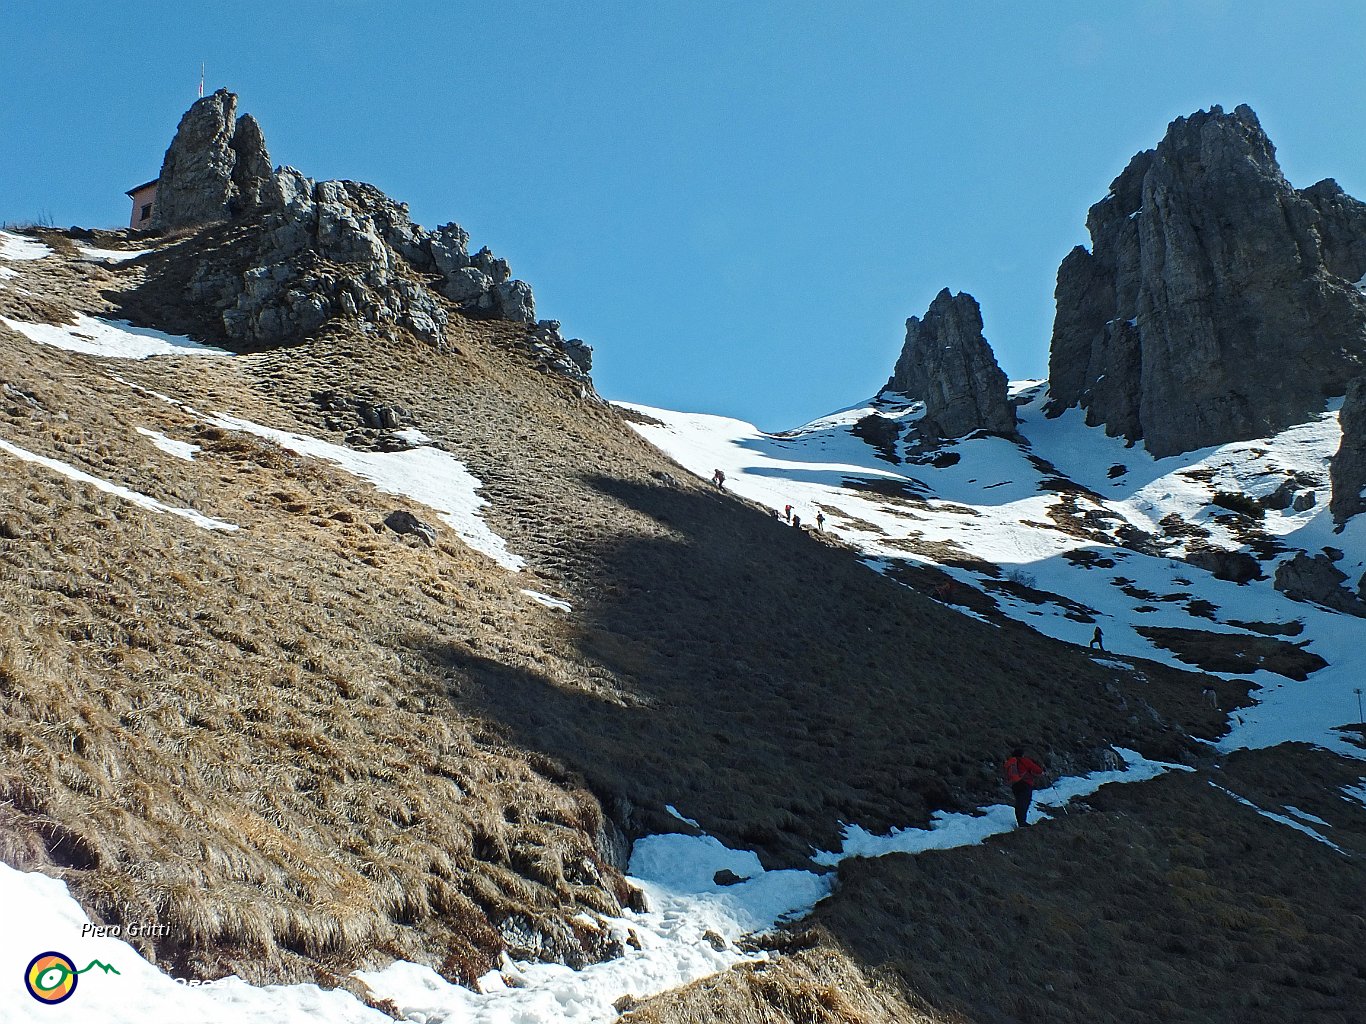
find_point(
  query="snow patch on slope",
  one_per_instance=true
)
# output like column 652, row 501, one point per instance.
column 180, row 449
column 1281, row 819
column 1049, row 512
column 548, row 601
column 141, row 500
column 116, row 339
column 44, row 917
column 97, row 255
column 17, row 247
column 427, row 475
column 953, row 830
column 690, row 931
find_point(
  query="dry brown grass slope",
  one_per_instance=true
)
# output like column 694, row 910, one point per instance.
column 816, row 986
column 225, row 732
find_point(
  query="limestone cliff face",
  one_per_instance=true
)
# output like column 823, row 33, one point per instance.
column 1217, row 303
column 947, row 363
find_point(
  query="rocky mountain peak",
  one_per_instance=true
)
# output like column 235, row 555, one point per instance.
column 316, row 251
column 1212, row 304
column 947, row 363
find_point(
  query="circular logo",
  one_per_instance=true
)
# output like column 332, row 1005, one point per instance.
column 50, row 977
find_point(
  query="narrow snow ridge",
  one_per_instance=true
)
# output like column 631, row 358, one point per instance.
column 1281, row 819
column 548, row 601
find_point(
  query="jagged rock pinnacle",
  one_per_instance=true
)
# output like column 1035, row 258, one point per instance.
column 948, row 364
column 216, row 166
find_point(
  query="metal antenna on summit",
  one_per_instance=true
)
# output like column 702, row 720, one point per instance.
column 201, row 80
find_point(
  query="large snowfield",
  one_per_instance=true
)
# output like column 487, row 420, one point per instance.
column 990, row 505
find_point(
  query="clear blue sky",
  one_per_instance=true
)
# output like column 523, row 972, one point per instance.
column 736, row 204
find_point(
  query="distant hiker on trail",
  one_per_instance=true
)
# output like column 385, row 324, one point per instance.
column 787, row 513
column 1023, row 774
column 797, row 522
column 820, row 521
column 719, row 479
column 1098, row 640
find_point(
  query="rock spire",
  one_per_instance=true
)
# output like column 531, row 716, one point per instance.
column 215, row 168
column 947, row 363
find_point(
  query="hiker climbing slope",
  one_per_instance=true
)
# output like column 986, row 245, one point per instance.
column 1023, row 774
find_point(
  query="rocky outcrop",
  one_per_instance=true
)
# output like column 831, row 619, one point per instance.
column 217, row 166
column 947, row 363
column 881, row 432
column 1342, row 229
column 1315, row 578
column 1347, row 468
column 1234, row 566
column 320, row 250
column 344, row 248
column 1216, row 302
column 403, row 522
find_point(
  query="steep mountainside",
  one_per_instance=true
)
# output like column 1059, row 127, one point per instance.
column 348, row 634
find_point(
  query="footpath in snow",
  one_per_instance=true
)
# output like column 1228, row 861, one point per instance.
column 689, row 932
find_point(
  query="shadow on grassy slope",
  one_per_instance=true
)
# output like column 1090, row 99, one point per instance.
column 775, row 687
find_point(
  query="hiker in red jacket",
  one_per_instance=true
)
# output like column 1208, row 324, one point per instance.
column 1023, row 774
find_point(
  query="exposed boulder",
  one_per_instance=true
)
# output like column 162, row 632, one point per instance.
column 513, row 301
column 1347, row 468
column 947, row 363
column 403, row 522
column 570, row 357
column 1315, row 578
column 1212, row 306
column 466, row 284
column 1279, row 500
column 1234, row 566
